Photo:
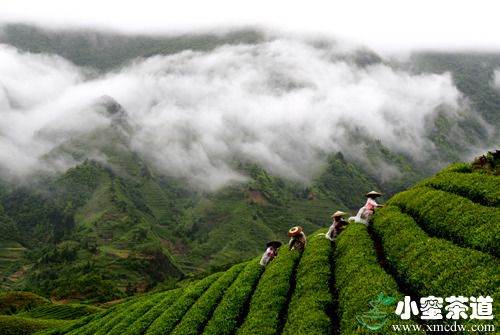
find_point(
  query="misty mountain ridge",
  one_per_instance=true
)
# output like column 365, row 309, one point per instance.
column 108, row 50
column 179, row 99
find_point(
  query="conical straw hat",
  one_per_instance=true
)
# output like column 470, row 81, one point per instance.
column 275, row 244
column 338, row 213
column 294, row 231
column 373, row 194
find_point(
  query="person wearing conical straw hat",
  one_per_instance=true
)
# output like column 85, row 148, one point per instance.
column 270, row 253
column 298, row 238
column 366, row 212
column 338, row 224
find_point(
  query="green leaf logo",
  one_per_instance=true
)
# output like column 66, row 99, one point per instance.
column 375, row 318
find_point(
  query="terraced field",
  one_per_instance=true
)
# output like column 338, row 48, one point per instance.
column 10, row 254
column 420, row 244
column 61, row 311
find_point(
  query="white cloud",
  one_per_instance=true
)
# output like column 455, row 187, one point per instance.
column 282, row 104
column 36, row 92
column 496, row 79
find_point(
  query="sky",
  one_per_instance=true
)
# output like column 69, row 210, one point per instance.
column 384, row 25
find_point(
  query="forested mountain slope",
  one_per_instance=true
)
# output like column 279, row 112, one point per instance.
column 333, row 287
column 111, row 227
column 114, row 222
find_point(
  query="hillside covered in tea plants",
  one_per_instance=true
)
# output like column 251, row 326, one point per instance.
column 440, row 237
column 130, row 162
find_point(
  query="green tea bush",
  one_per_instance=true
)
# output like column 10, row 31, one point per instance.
column 270, row 297
column 15, row 325
column 93, row 324
column 478, row 187
column 142, row 323
column 433, row 266
column 359, row 280
column 119, row 315
column 166, row 322
column 230, row 310
column 62, row 312
column 129, row 316
column 311, row 300
column 101, row 319
column 16, row 301
column 195, row 319
column 70, row 327
column 453, row 217
column 458, row 167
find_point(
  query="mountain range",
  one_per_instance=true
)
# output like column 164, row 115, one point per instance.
column 114, row 224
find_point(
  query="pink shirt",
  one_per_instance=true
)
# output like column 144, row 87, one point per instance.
column 270, row 252
column 370, row 204
column 268, row 255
